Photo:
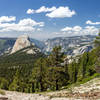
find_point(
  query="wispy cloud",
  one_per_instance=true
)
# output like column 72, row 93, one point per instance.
column 40, row 10
column 92, row 23
column 45, row 9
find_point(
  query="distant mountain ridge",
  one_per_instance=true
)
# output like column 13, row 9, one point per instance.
column 70, row 45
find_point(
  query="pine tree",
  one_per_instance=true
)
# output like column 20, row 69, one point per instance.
column 56, row 57
column 73, row 71
column 97, row 45
column 57, row 73
column 83, row 66
column 97, row 41
column 38, row 77
column 14, row 86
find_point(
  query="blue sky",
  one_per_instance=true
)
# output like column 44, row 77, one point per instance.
column 43, row 19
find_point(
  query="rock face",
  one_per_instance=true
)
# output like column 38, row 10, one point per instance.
column 71, row 45
column 81, row 50
column 22, row 42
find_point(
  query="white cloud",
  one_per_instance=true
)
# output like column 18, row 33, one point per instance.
column 92, row 23
column 66, row 29
column 30, row 11
column 77, row 30
column 45, row 9
column 54, row 12
column 30, row 22
column 7, row 19
column 91, row 29
column 61, row 12
column 17, row 28
column 40, row 10
column 24, row 25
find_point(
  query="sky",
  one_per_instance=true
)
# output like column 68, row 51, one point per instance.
column 42, row 19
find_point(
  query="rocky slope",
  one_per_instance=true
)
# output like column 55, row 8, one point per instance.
column 21, row 42
column 71, row 45
column 87, row 91
column 7, row 44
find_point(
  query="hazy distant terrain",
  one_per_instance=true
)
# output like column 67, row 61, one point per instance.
column 70, row 45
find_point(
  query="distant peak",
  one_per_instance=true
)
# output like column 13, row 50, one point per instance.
column 24, row 36
column 21, row 42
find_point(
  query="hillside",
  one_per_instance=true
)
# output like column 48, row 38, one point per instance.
column 6, row 45
column 22, row 60
column 87, row 91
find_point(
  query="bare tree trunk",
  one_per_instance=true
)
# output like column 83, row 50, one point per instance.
column 33, row 87
column 57, row 87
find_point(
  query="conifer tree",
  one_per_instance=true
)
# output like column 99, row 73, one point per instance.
column 15, row 85
column 97, row 45
column 97, row 41
column 83, row 66
column 39, row 75
column 57, row 75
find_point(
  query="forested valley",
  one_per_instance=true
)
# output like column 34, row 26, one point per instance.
column 37, row 73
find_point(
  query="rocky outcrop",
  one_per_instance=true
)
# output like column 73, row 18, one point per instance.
column 22, row 42
column 71, row 45
column 81, row 50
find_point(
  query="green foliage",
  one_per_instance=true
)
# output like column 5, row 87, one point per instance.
column 57, row 78
column 83, row 66
column 2, row 92
column 3, row 83
column 57, row 72
column 73, row 71
column 97, row 45
column 15, row 84
column 56, row 57
column 97, row 41
column 38, row 77
column 96, row 75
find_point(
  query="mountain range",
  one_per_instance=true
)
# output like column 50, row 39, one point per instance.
column 70, row 45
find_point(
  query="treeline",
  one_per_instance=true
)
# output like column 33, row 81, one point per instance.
column 53, row 72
